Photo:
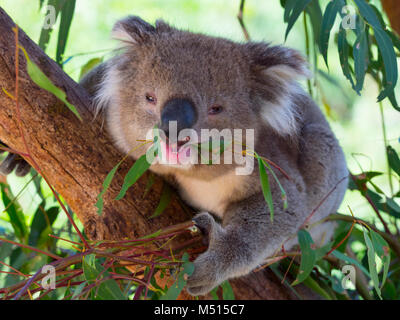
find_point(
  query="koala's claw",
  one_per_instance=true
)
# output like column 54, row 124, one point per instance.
column 204, row 221
column 13, row 161
column 8, row 165
column 206, row 224
column 208, row 272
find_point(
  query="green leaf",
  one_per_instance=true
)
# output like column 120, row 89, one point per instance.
column 368, row 13
column 45, row 34
column 395, row 39
column 67, row 13
column 315, row 13
column 372, row 263
column 153, row 235
column 78, row 290
column 150, row 182
column 308, row 256
column 288, row 5
column 15, row 215
column 165, row 200
column 385, row 46
column 328, row 20
column 45, row 83
column 322, row 251
column 186, row 270
column 41, row 220
column 108, row 289
column 89, row 66
column 266, row 188
column 227, row 291
column 106, row 185
column 347, row 259
column 393, row 206
column 394, row 160
column 89, row 267
column 298, row 8
column 382, row 249
column 314, row 286
column 214, row 293
column 360, row 54
column 138, row 169
column 283, row 192
column 5, row 251
column 344, row 49
column 386, row 49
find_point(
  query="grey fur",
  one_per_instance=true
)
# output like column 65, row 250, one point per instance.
column 255, row 83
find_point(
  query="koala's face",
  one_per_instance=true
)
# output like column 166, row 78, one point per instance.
column 190, row 82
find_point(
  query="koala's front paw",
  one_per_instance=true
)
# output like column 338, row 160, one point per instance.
column 13, row 161
column 205, row 277
column 208, row 272
column 208, row 227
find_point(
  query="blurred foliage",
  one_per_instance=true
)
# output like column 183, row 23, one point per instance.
column 366, row 56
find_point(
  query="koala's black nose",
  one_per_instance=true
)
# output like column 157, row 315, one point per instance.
column 180, row 110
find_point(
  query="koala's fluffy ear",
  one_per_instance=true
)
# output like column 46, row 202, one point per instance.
column 279, row 61
column 163, row 27
column 275, row 70
column 132, row 29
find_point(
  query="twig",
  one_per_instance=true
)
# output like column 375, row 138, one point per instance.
column 49, row 254
column 373, row 206
column 393, row 242
column 240, row 18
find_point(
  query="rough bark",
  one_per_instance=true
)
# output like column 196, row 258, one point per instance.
column 392, row 10
column 76, row 157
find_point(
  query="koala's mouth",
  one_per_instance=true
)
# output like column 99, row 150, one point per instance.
column 175, row 153
column 176, row 146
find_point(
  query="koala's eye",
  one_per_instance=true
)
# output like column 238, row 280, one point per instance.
column 151, row 98
column 215, row 110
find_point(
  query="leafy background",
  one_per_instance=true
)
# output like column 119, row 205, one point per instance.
column 355, row 119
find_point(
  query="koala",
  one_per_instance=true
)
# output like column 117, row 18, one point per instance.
column 163, row 75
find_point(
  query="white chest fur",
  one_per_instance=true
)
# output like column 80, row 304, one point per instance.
column 213, row 195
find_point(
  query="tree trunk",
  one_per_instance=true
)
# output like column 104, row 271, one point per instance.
column 76, row 157
column 392, row 10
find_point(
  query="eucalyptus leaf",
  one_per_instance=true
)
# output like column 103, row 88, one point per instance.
column 308, row 256
column 394, row 160
column 328, row 20
column 344, row 49
column 67, row 13
column 360, row 54
column 165, row 200
column 372, row 263
column 45, row 83
column 106, row 185
column 385, row 46
column 266, row 187
column 298, row 8
column 138, row 169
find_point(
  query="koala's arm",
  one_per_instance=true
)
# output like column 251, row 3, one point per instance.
column 237, row 246
column 247, row 236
